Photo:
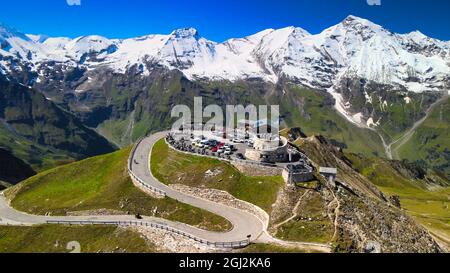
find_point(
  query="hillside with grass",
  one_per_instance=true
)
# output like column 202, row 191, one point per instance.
column 172, row 167
column 423, row 194
column 365, row 212
column 430, row 145
column 40, row 130
column 313, row 111
column 137, row 107
column 39, row 157
column 56, row 239
column 102, row 183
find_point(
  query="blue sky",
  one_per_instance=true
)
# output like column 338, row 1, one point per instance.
column 217, row 20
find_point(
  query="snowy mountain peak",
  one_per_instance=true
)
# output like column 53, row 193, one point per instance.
column 184, row 33
column 417, row 35
column 9, row 32
column 38, row 38
column 355, row 47
column 78, row 47
column 353, row 50
column 355, row 20
column 361, row 26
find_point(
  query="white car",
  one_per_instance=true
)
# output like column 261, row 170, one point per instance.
column 227, row 152
column 204, row 142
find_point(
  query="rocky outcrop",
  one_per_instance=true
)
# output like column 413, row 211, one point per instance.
column 365, row 220
column 295, row 133
column 256, row 169
column 366, row 216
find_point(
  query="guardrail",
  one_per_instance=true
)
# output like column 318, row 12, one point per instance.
column 146, row 186
column 235, row 244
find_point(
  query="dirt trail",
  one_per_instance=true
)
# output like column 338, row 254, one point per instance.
column 336, row 216
column 294, row 212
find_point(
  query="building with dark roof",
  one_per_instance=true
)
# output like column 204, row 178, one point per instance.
column 298, row 173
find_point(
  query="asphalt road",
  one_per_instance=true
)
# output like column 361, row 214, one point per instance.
column 244, row 223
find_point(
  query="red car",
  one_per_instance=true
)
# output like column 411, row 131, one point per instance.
column 220, row 145
column 214, row 150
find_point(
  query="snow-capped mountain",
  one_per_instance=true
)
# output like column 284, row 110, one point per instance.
column 355, row 48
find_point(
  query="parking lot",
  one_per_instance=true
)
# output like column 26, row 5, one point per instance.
column 216, row 146
column 211, row 147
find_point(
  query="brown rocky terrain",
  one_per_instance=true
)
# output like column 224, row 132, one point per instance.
column 362, row 217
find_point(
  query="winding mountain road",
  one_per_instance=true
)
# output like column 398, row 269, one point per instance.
column 393, row 147
column 244, row 223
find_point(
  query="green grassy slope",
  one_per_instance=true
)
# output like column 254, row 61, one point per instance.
column 39, row 157
column 40, row 131
column 426, row 199
column 173, row 167
column 54, row 239
column 431, row 142
column 310, row 225
column 102, row 183
column 314, row 114
column 312, row 110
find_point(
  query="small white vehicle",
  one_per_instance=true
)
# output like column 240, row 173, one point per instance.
column 201, row 146
column 227, row 152
column 220, row 151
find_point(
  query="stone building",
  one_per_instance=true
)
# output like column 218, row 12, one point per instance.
column 269, row 149
column 330, row 174
column 298, row 173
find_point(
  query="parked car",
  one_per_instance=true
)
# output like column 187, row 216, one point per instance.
column 204, row 141
column 201, row 146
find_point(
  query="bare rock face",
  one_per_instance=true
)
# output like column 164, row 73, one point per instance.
column 395, row 201
column 367, row 220
column 295, row 133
